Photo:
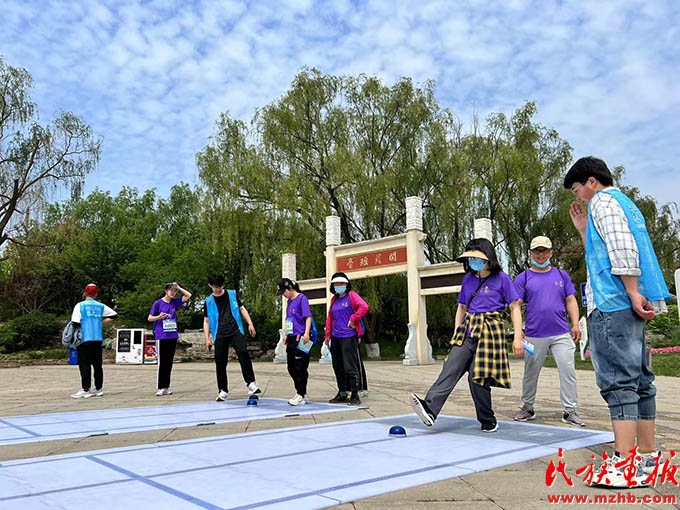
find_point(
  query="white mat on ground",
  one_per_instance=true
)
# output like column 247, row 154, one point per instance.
column 45, row 427
column 315, row 466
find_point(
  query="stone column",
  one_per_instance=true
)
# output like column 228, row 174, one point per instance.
column 333, row 239
column 288, row 270
column 418, row 350
column 483, row 229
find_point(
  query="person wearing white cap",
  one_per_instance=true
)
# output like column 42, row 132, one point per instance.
column 549, row 295
column 343, row 329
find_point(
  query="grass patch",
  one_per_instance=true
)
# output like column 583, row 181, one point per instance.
column 394, row 351
column 662, row 364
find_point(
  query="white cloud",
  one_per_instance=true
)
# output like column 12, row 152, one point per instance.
column 153, row 77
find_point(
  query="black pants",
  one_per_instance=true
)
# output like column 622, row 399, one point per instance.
column 165, row 350
column 346, row 363
column 90, row 355
column 459, row 361
column 362, row 372
column 238, row 342
column 298, row 364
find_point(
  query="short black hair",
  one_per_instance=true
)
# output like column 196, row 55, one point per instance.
column 343, row 275
column 484, row 245
column 588, row 167
column 216, row 279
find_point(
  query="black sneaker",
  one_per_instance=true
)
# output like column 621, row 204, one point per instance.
column 354, row 399
column 490, row 426
column 419, row 406
column 340, row 397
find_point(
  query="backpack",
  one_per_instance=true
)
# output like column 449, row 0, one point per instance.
column 72, row 336
column 313, row 334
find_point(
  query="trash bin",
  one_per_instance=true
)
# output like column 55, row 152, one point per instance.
column 72, row 356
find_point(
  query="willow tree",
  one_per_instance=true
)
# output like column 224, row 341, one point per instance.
column 347, row 146
column 36, row 159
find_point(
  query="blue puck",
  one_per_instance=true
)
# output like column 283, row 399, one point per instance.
column 397, row 431
column 253, row 397
column 252, row 402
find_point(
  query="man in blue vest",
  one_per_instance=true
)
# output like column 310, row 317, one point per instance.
column 90, row 314
column 223, row 327
column 625, row 288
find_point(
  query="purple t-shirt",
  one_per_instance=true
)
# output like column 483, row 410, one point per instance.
column 544, row 295
column 497, row 292
column 342, row 311
column 166, row 328
column 297, row 312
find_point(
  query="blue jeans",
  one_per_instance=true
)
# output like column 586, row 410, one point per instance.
column 617, row 348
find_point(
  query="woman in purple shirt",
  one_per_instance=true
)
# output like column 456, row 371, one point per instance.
column 298, row 339
column 479, row 338
column 343, row 330
column 163, row 314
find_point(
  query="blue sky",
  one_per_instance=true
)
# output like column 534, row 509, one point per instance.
column 152, row 77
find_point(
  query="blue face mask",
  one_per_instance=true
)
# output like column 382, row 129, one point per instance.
column 340, row 290
column 476, row 264
column 542, row 266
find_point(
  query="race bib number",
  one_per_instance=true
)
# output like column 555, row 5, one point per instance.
column 289, row 326
column 169, row 325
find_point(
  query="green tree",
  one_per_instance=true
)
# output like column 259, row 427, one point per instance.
column 36, row 159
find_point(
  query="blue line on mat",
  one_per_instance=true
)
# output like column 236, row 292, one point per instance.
column 224, row 407
column 156, row 485
column 321, row 492
column 261, row 459
column 190, row 442
column 83, row 433
column 25, row 431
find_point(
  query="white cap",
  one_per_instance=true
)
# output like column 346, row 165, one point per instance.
column 339, row 279
column 540, row 241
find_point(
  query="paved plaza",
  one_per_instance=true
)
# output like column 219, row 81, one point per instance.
column 46, row 389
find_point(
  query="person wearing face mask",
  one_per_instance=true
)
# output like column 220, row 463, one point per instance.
column 549, row 295
column 343, row 329
column 478, row 344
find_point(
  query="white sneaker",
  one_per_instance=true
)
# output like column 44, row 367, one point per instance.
column 649, row 461
column 306, row 399
column 253, row 388
column 222, row 396
column 82, row 394
column 167, row 391
column 297, row 400
column 615, row 477
column 99, row 392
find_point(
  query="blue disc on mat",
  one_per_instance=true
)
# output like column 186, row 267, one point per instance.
column 252, row 402
column 397, row 431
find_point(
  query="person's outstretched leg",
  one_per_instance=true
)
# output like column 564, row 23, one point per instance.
column 457, row 362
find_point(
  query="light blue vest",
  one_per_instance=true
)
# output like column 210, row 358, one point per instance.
column 91, row 313
column 214, row 314
column 608, row 289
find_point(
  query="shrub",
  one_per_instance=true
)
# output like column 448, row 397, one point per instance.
column 31, row 331
column 666, row 324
